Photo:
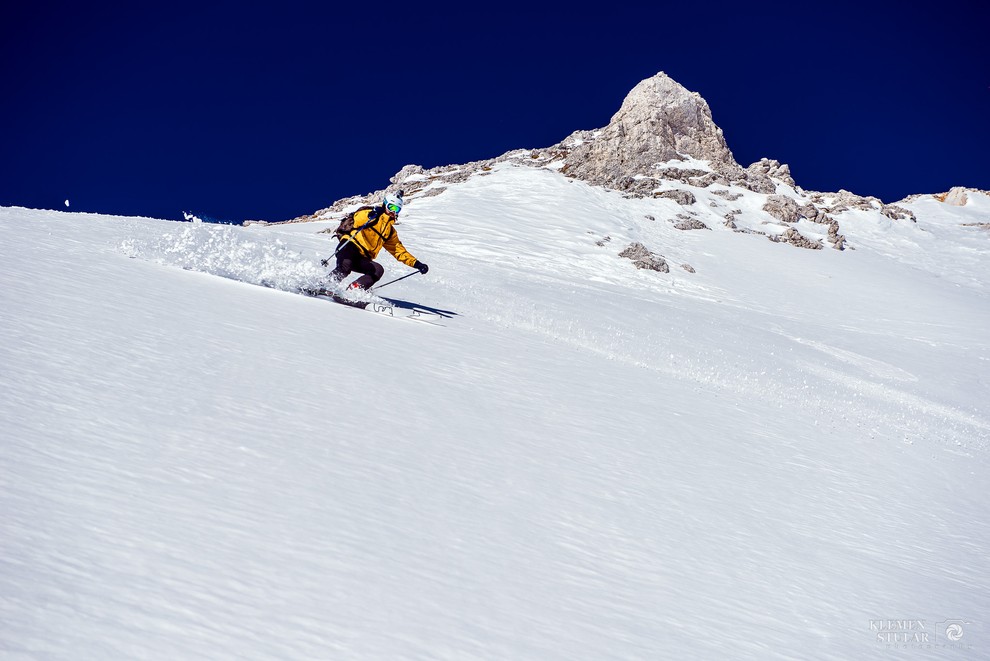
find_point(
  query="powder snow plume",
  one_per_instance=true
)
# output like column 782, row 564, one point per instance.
column 230, row 252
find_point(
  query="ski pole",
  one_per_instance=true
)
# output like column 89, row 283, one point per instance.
column 326, row 262
column 408, row 275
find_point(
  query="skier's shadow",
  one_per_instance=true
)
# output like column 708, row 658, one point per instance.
column 406, row 305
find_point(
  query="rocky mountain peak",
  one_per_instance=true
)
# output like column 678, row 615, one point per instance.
column 659, row 122
column 664, row 120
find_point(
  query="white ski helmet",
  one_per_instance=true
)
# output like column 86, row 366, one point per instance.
column 393, row 202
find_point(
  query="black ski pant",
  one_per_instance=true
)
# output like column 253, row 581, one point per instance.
column 350, row 259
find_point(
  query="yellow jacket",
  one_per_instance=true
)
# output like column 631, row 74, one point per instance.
column 380, row 234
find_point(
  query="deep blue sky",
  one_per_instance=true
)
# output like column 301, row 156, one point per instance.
column 274, row 109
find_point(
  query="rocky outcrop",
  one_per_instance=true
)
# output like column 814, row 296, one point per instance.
column 685, row 222
column 682, row 197
column 844, row 201
column 895, row 212
column 769, row 169
column 659, row 121
column 795, row 238
column 955, row 197
column 838, row 240
column 954, row 194
column 838, row 203
column 727, row 195
column 787, row 210
column 642, row 258
column 783, row 208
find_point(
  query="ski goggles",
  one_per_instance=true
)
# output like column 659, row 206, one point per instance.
column 393, row 208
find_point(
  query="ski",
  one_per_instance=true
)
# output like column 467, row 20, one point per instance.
column 383, row 309
column 402, row 313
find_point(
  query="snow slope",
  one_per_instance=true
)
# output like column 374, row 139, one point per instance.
column 782, row 455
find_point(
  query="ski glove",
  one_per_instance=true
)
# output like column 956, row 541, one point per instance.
column 423, row 268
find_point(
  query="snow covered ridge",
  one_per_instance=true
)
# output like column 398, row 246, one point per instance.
column 663, row 143
column 788, row 215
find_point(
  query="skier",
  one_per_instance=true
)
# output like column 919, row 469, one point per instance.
column 374, row 229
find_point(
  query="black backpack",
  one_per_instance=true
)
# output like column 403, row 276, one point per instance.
column 346, row 225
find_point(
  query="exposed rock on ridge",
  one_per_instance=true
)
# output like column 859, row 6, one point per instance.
column 643, row 258
column 660, row 124
column 659, row 121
